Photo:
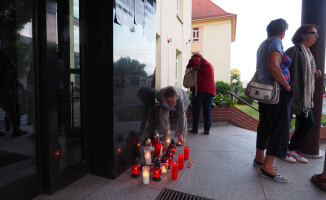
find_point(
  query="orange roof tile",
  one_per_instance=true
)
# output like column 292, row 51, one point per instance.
column 203, row 9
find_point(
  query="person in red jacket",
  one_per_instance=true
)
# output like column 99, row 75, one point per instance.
column 206, row 91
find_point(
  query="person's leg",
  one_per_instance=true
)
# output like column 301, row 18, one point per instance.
column 207, row 107
column 320, row 179
column 268, row 165
column 280, row 129
column 262, row 132
column 196, row 106
column 164, row 121
column 303, row 126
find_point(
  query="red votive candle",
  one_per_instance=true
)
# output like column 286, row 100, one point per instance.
column 181, row 161
column 135, row 170
column 175, row 170
column 186, row 152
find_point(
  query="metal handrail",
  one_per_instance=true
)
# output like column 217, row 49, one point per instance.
column 248, row 104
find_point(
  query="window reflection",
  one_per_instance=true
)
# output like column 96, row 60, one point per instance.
column 133, row 77
column 17, row 92
column 68, row 66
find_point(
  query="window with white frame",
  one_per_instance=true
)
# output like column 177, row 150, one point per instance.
column 195, row 34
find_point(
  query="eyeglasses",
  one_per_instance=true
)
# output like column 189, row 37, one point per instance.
column 314, row 33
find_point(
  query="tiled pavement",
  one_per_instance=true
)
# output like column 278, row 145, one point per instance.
column 222, row 170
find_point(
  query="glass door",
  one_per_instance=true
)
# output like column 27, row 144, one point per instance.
column 68, row 162
column 68, row 67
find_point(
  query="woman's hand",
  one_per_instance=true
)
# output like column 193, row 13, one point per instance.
column 318, row 73
column 287, row 88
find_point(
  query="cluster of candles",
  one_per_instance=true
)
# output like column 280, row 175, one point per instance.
column 161, row 163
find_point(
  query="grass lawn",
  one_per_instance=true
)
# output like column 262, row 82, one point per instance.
column 244, row 108
column 255, row 114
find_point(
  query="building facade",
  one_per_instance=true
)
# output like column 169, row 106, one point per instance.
column 213, row 30
column 173, row 34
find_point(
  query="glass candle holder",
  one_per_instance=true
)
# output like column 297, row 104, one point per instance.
column 145, row 171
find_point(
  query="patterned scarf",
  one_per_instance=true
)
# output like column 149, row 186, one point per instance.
column 309, row 80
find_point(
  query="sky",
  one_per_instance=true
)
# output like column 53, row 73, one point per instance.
column 253, row 17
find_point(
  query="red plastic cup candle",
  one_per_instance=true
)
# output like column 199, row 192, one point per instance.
column 186, row 152
column 181, row 161
column 174, row 170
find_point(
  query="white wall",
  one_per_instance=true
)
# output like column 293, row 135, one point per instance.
column 178, row 29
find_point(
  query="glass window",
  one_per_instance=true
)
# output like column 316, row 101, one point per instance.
column 195, row 34
column 17, row 92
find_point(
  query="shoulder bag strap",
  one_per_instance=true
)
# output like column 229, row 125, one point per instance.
column 261, row 58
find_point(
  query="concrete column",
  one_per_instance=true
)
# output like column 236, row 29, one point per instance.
column 313, row 12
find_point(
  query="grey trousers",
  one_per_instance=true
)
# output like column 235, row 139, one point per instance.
column 164, row 122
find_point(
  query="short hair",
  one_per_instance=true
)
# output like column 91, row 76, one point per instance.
column 303, row 29
column 171, row 91
column 276, row 27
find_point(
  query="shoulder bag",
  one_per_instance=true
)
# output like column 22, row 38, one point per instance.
column 190, row 77
column 263, row 93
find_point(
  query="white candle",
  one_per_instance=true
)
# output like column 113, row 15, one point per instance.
column 145, row 174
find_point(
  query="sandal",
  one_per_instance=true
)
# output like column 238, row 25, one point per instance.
column 278, row 178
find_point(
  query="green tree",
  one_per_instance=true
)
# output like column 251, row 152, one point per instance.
column 128, row 66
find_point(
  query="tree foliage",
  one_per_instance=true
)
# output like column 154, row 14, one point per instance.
column 128, row 66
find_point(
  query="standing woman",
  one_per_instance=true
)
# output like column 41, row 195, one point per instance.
column 206, row 90
column 274, row 119
column 303, row 72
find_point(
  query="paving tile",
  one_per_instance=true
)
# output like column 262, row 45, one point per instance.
column 77, row 190
column 119, row 190
column 299, row 185
column 221, row 175
column 209, row 142
column 222, row 170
